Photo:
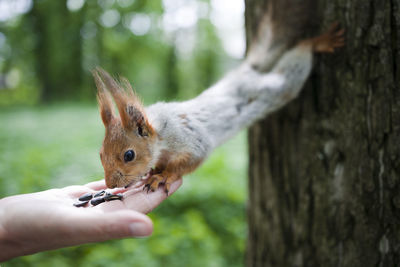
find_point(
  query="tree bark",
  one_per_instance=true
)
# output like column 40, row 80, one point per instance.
column 324, row 170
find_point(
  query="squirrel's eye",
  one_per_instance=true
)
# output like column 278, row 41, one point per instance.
column 129, row 155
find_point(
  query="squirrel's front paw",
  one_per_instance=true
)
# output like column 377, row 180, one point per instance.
column 155, row 180
column 328, row 42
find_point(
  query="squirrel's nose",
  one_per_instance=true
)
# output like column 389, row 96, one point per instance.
column 110, row 184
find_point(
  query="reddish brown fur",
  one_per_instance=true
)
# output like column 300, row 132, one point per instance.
column 169, row 170
column 327, row 42
column 128, row 103
column 104, row 100
column 122, row 132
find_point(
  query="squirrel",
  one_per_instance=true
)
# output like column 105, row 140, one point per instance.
column 163, row 142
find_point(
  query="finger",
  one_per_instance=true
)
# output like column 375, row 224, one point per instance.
column 95, row 226
column 111, row 206
column 97, row 185
column 174, row 186
column 76, row 191
column 135, row 185
column 64, row 226
column 144, row 202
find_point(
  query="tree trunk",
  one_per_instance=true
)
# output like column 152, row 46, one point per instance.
column 324, row 170
column 58, row 49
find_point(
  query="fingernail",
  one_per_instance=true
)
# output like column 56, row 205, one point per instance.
column 139, row 229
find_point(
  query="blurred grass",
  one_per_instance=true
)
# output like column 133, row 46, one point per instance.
column 202, row 224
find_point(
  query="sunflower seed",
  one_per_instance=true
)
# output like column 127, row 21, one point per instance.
column 81, row 203
column 87, row 196
column 97, row 201
column 113, row 197
column 98, row 194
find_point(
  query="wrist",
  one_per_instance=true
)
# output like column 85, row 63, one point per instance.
column 8, row 248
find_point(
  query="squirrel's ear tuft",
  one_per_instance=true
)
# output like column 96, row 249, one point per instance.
column 104, row 100
column 136, row 121
column 130, row 107
column 133, row 116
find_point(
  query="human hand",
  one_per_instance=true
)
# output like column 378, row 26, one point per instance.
column 48, row 220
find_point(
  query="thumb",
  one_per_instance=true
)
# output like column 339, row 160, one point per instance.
column 97, row 227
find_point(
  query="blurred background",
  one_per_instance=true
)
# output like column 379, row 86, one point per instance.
column 51, row 132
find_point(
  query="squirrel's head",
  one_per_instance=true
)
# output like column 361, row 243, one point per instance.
column 126, row 154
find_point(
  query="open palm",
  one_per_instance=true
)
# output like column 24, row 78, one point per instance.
column 48, row 220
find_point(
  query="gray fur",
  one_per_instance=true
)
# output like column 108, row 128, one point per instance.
column 242, row 97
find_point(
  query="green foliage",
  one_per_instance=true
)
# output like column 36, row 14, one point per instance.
column 202, row 224
column 53, row 50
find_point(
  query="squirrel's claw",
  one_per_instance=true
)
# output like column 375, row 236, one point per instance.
column 146, row 186
column 153, row 182
column 156, row 180
column 167, row 187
